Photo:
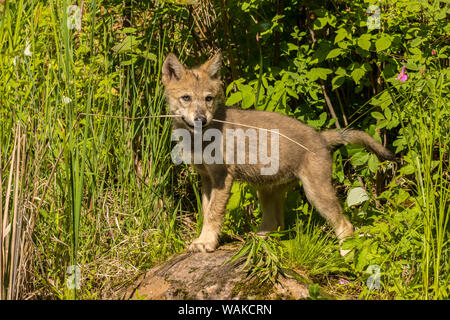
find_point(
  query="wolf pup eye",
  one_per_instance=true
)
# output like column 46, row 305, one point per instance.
column 186, row 98
column 208, row 98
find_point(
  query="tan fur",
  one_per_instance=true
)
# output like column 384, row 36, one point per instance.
column 312, row 164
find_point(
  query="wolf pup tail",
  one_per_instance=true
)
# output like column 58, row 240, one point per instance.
column 336, row 138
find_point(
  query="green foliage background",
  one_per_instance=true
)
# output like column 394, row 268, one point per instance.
column 102, row 193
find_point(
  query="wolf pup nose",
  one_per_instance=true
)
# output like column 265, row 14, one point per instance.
column 257, row 147
column 201, row 119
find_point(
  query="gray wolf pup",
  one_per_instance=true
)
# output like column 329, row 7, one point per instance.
column 196, row 96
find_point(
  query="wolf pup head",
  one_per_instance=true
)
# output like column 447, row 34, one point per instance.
column 194, row 94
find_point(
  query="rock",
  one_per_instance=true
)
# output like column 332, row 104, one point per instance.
column 204, row 276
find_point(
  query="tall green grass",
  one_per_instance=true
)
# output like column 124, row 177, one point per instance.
column 428, row 138
column 92, row 192
column 314, row 251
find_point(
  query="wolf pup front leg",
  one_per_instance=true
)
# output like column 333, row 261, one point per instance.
column 215, row 194
column 195, row 95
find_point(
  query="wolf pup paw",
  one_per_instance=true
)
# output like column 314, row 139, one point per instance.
column 200, row 245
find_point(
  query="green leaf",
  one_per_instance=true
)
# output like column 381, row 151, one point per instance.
column 127, row 45
column 129, row 62
column 127, row 30
column 242, row 252
column 248, row 99
column 341, row 71
column 340, row 35
column 357, row 74
column 415, row 51
column 356, row 196
column 292, row 47
column 360, row 158
column 417, row 41
column 334, row 53
column 234, row 98
column 377, row 115
column 383, row 42
column 388, row 113
column 292, row 93
column 317, row 73
column 412, row 66
column 149, row 55
column 319, row 23
column 408, row 169
column 362, row 258
column 337, row 82
column 317, row 124
column 245, row 6
column 373, row 163
column 235, row 198
column 364, row 41
column 382, row 124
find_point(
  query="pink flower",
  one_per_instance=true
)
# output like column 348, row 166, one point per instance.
column 433, row 52
column 343, row 282
column 403, row 76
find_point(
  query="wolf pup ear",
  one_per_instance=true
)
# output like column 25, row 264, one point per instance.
column 172, row 69
column 213, row 65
